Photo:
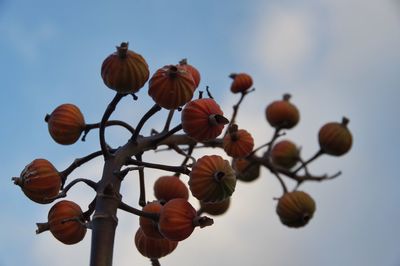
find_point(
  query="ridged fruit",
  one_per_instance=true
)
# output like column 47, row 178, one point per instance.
column 285, row 154
column 212, row 179
column 171, row 86
column 203, row 119
column 241, row 82
column 153, row 248
column 170, row 187
column 40, row 181
column 282, row 114
column 335, row 138
column 245, row 170
column 150, row 227
column 216, row 208
column 295, row 209
column 238, row 143
column 195, row 73
column 66, row 123
column 63, row 219
column 125, row 71
column 176, row 219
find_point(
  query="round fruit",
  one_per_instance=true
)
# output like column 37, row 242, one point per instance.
column 203, row 119
column 282, row 114
column 335, row 138
column 170, row 187
column 171, row 86
column 64, row 220
column 40, row 181
column 150, row 227
column 212, row 179
column 176, row 219
column 295, row 209
column 153, row 248
column 195, row 73
column 285, row 154
column 245, row 170
column 241, row 82
column 216, row 208
column 238, row 143
column 65, row 124
column 124, row 71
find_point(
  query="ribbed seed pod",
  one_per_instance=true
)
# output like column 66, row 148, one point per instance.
column 64, row 222
column 285, row 154
column 65, row 124
column 176, row 219
column 171, row 86
column 241, row 82
column 170, row 187
column 150, row 227
column 195, row 73
column 282, row 114
column 153, row 248
column 125, row 71
column 212, row 179
column 40, row 181
column 238, row 143
column 335, row 138
column 295, row 209
column 245, row 170
column 216, row 208
column 203, row 119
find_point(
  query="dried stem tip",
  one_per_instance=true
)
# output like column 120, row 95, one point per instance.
column 17, row 181
column 122, row 50
column 286, row 97
column 202, row 221
column 41, row 227
column 216, row 119
column 345, row 121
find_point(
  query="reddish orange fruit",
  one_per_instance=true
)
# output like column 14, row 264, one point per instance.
column 125, row 71
column 241, row 82
column 212, row 179
column 153, row 248
column 295, row 209
column 150, row 227
column 282, row 114
column 64, row 222
column 170, row 187
column 245, row 170
column 65, row 124
column 171, row 86
column 335, row 138
column 40, row 181
column 176, row 219
column 195, row 73
column 285, row 154
column 203, row 119
column 238, row 143
column 216, row 208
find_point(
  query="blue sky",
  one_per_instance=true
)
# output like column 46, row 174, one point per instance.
column 335, row 57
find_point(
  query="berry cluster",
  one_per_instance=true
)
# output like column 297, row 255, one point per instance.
column 170, row 217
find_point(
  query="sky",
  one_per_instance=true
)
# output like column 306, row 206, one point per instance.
column 335, row 57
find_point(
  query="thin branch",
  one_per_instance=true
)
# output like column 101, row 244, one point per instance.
column 151, row 215
column 316, row 155
column 187, row 155
column 285, row 190
column 63, row 192
column 86, row 215
column 142, row 195
column 142, row 121
column 181, row 169
column 89, row 127
column 164, row 135
column 155, row 262
column 169, row 119
column 110, row 109
column 266, row 144
column 76, row 163
column 236, row 109
column 271, row 143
